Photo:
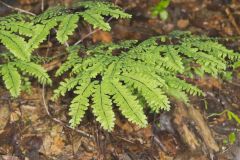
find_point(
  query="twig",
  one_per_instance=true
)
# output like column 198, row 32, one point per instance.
column 59, row 121
column 42, row 5
column 232, row 20
column 86, row 36
column 16, row 9
column 90, row 33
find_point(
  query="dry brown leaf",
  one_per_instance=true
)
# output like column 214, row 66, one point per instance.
column 101, row 36
column 58, row 145
column 4, row 116
column 182, row 23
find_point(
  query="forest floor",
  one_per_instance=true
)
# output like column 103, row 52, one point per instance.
column 34, row 127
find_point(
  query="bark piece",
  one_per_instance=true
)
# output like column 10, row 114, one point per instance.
column 203, row 129
column 183, row 116
column 180, row 116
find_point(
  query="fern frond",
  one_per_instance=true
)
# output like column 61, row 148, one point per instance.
column 11, row 78
column 177, row 83
column 40, row 34
column 15, row 44
column 104, row 8
column 110, row 47
column 81, row 102
column 65, row 86
column 66, row 27
column 21, row 28
column 172, row 59
column 18, row 17
column 127, row 103
column 50, row 13
column 102, row 107
column 72, row 60
column 34, row 70
column 138, row 72
column 92, row 17
column 149, row 89
column 178, row 94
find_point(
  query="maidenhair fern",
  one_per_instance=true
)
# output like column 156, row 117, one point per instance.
column 126, row 73
column 21, row 34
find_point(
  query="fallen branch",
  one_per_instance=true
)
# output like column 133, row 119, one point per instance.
column 17, row 9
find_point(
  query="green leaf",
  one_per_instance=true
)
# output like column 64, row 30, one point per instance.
column 95, row 19
column 128, row 104
column 102, row 107
column 148, row 88
column 104, row 8
column 15, row 44
column 12, row 79
column 34, row 70
column 66, row 27
column 80, row 103
column 41, row 31
column 232, row 138
column 232, row 115
column 66, row 85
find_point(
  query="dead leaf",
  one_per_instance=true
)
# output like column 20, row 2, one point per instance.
column 8, row 157
column 4, row 116
column 58, row 145
column 101, row 36
column 182, row 23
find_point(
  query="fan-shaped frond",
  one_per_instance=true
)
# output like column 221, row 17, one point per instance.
column 138, row 72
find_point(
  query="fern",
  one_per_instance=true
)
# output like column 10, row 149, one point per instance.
column 71, row 61
column 67, row 18
column 140, row 71
column 15, row 28
column 22, row 34
column 104, row 8
column 17, row 24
